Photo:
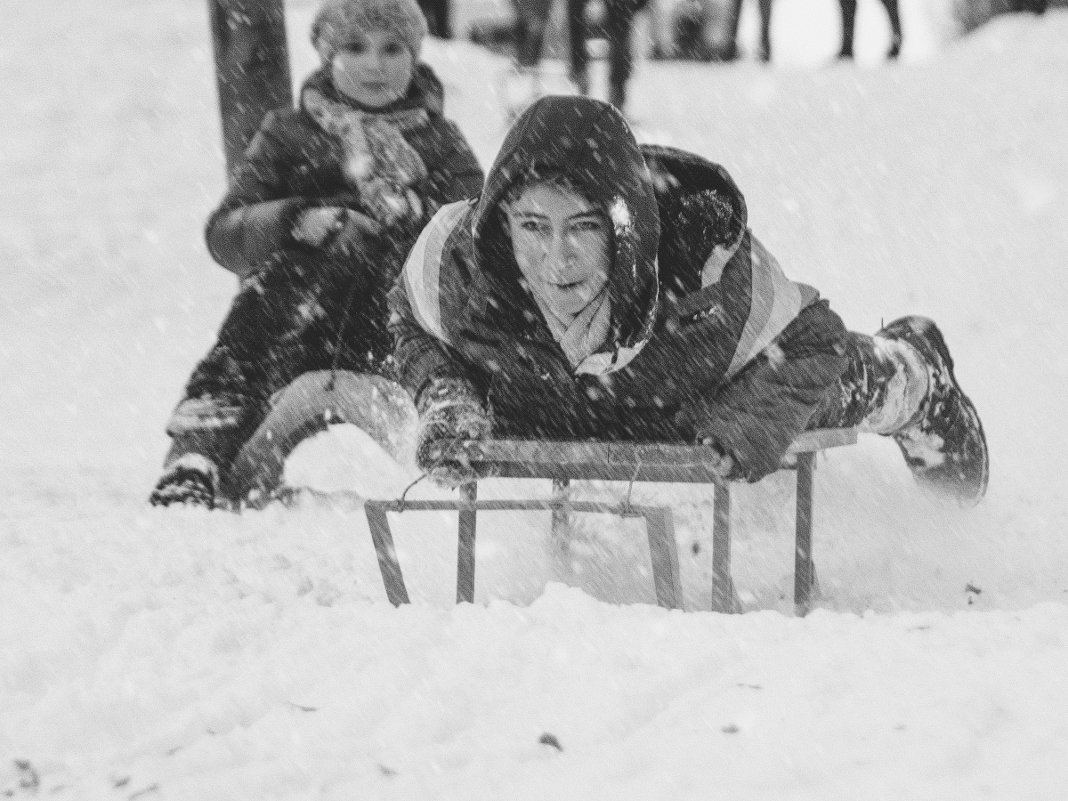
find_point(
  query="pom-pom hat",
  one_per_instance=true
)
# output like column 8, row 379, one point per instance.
column 339, row 21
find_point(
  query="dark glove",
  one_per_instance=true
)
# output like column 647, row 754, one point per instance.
column 450, row 412
column 351, row 233
column 718, row 460
column 392, row 203
column 745, row 434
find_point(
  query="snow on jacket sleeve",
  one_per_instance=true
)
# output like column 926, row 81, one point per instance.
column 757, row 413
column 256, row 217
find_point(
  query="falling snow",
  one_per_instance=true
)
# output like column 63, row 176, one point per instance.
column 180, row 654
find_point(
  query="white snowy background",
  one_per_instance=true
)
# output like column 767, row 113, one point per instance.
column 182, row 654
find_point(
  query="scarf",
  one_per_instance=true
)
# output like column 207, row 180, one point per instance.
column 377, row 160
column 588, row 331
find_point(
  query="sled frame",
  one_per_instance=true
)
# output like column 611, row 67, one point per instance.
column 658, row 522
column 563, row 462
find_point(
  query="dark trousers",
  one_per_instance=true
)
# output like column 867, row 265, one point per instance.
column 437, row 17
column 532, row 20
column 860, row 390
column 291, row 319
column 734, row 14
column 849, row 16
column 618, row 25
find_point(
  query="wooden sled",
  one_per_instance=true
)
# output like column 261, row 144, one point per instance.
column 311, row 404
column 563, row 462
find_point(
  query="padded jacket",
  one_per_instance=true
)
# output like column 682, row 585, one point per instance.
column 709, row 339
column 292, row 164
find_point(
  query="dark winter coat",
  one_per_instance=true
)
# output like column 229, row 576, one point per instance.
column 709, row 338
column 292, row 164
column 309, row 307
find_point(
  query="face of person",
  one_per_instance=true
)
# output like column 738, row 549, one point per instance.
column 561, row 243
column 374, row 69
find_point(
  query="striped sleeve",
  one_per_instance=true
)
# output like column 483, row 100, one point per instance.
column 776, row 301
column 422, row 270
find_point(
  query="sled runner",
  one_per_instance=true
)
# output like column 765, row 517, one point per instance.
column 566, row 461
column 311, row 404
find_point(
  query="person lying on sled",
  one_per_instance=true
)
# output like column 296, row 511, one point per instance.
column 601, row 290
column 320, row 216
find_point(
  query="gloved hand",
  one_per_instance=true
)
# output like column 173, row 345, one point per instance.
column 719, row 461
column 450, row 412
column 335, row 229
column 390, row 202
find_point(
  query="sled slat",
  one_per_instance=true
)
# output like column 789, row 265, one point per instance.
column 804, row 568
column 665, row 557
column 465, row 557
column 724, row 598
column 382, row 538
column 621, row 461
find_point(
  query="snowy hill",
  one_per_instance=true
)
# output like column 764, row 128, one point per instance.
column 180, row 654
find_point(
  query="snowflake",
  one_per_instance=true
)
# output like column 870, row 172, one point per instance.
column 620, row 214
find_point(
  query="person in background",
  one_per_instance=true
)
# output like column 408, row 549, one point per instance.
column 601, row 290
column 617, row 27
column 317, row 223
column 849, row 16
column 438, row 18
column 528, row 32
column 1033, row 6
column 531, row 22
column 730, row 51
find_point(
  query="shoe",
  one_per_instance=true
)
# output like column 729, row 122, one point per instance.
column 186, row 486
column 944, row 444
column 895, row 48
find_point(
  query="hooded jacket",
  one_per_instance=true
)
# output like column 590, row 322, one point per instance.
column 708, row 337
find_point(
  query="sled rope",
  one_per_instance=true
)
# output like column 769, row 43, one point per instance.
column 403, row 496
column 625, row 506
column 435, row 464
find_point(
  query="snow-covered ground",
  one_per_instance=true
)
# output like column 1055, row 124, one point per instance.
column 179, row 654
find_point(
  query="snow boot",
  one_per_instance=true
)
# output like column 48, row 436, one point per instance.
column 187, row 486
column 943, row 444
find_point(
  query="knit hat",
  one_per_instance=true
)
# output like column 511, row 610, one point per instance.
column 338, row 22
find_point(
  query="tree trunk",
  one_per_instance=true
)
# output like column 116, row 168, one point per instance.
column 251, row 68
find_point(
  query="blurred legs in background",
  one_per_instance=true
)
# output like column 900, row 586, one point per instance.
column 849, row 16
